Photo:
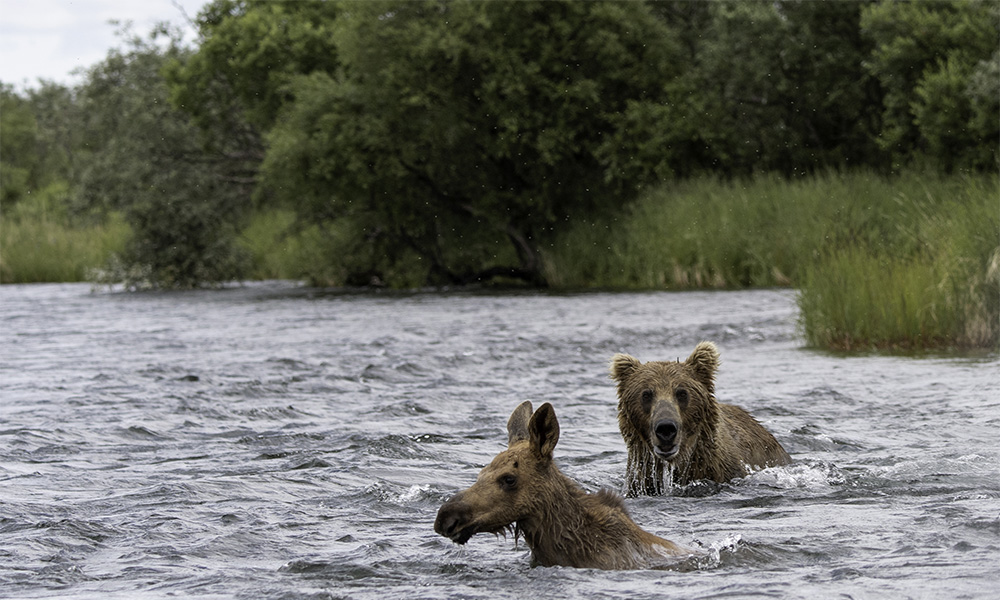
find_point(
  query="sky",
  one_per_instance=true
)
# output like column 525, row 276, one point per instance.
column 48, row 39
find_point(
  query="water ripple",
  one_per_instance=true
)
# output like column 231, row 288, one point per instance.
column 272, row 441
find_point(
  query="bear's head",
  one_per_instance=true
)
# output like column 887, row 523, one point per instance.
column 664, row 407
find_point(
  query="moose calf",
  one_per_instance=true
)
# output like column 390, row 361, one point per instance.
column 522, row 491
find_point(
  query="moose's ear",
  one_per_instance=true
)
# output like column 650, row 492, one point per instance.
column 623, row 365
column 517, row 425
column 704, row 361
column 543, row 430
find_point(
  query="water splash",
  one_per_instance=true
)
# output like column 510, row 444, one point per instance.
column 802, row 475
column 644, row 475
column 401, row 496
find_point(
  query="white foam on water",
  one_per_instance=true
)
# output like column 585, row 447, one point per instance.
column 798, row 476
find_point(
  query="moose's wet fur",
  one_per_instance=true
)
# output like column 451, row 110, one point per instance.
column 668, row 416
column 524, row 492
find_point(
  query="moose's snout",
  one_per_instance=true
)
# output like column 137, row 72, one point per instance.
column 665, row 431
column 453, row 522
column 447, row 521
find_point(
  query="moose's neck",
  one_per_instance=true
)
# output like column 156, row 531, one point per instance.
column 573, row 528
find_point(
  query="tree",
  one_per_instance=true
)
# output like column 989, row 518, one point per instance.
column 936, row 62
column 145, row 160
column 18, row 146
column 236, row 82
column 248, row 53
column 58, row 117
column 40, row 134
column 766, row 86
column 466, row 132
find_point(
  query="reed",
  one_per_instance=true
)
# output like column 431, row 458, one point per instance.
column 700, row 233
column 39, row 242
column 911, row 261
column 277, row 248
column 281, row 246
column 936, row 286
column 32, row 251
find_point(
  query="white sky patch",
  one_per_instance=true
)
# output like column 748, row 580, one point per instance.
column 49, row 39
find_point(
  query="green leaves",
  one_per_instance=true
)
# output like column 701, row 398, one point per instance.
column 144, row 160
column 449, row 141
column 249, row 52
column 934, row 62
column 467, row 133
column 17, row 146
column 469, row 126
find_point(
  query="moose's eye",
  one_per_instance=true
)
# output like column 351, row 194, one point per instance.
column 682, row 397
column 647, row 399
column 507, row 482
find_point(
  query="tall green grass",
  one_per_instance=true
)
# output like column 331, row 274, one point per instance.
column 937, row 285
column 703, row 233
column 906, row 262
column 39, row 242
column 329, row 254
column 903, row 262
column 280, row 251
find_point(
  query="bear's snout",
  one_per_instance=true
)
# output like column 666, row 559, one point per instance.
column 665, row 431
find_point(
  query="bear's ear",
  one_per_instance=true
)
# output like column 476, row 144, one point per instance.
column 705, row 362
column 517, row 424
column 623, row 365
column 544, row 431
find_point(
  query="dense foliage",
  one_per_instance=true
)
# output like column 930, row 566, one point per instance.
column 450, row 141
column 468, row 126
column 144, row 160
column 38, row 140
column 939, row 64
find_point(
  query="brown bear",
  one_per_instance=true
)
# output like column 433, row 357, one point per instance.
column 668, row 415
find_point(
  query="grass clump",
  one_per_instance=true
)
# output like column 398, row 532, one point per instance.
column 39, row 242
column 908, row 262
column 281, row 246
column 278, row 249
column 931, row 281
column 703, row 233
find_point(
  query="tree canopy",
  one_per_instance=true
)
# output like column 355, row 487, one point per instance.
column 468, row 125
column 939, row 64
column 144, row 160
column 450, row 141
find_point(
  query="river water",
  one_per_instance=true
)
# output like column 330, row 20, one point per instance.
column 275, row 441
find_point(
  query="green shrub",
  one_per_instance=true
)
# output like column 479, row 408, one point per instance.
column 331, row 254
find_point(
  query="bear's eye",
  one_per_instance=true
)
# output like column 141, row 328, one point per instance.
column 682, row 396
column 507, row 482
column 647, row 399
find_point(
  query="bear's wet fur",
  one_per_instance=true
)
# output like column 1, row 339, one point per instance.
column 670, row 419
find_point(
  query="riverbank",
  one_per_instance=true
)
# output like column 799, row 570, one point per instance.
column 909, row 262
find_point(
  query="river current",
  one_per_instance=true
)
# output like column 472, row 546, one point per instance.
column 277, row 441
